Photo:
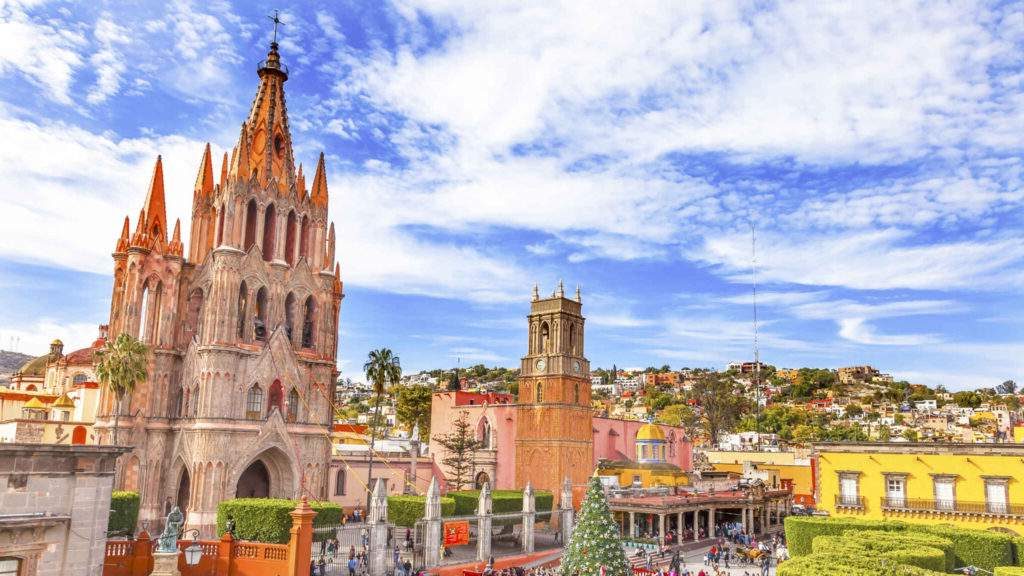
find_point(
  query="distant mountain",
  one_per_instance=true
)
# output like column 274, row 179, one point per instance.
column 9, row 362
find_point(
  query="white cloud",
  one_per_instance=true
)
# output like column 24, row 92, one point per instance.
column 859, row 331
column 46, row 52
column 108, row 62
column 35, row 339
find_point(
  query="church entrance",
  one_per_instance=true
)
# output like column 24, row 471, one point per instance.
column 254, row 482
column 183, row 490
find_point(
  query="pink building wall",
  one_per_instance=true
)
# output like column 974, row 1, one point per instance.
column 613, row 439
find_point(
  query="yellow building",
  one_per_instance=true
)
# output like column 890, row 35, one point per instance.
column 651, row 468
column 795, row 472
column 970, row 485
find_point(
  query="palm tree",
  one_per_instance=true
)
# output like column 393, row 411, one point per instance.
column 120, row 365
column 384, row 370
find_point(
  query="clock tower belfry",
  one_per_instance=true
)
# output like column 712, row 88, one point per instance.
column 554, row 433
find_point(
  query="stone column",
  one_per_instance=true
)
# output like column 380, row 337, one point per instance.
column 743, row 515
column 661, row 529
column 529, row 516
column 632, row 525
column 711, row 523
column 301, row 541
column 378, row 521
column 566, row 512
column 483, row 523
column 696, row 524
column 679, row 527
column 432, row 525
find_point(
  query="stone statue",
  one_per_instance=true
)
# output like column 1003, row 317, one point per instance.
column 168, row 541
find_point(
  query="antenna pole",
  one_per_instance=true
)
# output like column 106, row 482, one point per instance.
column 757, row 351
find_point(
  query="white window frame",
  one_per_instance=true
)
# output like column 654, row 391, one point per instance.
column 1000, row 484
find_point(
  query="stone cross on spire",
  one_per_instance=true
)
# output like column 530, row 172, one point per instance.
column 276, row 19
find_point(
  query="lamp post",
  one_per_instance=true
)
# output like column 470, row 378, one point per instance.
column 194, row 552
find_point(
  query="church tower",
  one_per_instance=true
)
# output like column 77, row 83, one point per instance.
column 554, row 433
column 242, row 328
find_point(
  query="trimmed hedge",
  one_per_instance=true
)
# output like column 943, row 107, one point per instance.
column 1009, row 571
column 1018, row 550
column 801, row 530
column 124, row 512
column 980, row 548
column 893, row 547
column 268, row 519
column 407, row 510
column 847, row 565
column 502, row 501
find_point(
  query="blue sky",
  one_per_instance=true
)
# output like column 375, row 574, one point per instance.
column 477, row 148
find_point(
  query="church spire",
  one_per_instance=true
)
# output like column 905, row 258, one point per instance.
column 204, row 180
column 224, row 170
column 155, row 208
column 319, row 192
column 122, row 242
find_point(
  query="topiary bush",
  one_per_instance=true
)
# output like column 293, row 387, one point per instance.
column 802, row 530
column 896, row 551
column 847, row 565
column 124, row 513
column 1018, row 550
column 980, row 548
column 502, row 501
column 407, row 510
column 268, row 519
column 1009, row 571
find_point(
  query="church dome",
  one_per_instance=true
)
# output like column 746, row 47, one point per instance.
column 63, row 402
column 35, row 366
column 650, row 432
column 34, row 404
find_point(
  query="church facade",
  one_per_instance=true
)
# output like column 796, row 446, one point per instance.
column 242, row 328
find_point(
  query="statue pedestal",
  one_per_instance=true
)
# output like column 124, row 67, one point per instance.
column 165, row 564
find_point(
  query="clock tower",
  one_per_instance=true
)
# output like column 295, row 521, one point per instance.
column 554, row 433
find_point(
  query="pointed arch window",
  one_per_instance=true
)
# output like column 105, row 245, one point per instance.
column 269, row 233
column 293, row 405
column 194, row 406
column 259, row 321
column 308, row 314
column 243, row 308
column 276, row 397
column 545, row 334
column 289, row 316
column 304, row 238
column 540, row 392
column 180, row 401
column 289, row 238
column 572, row 339
column 339, row 483
column 144, row 313
column 254, row 403
column 220, row 226
column 250, row 225
column 576, row 393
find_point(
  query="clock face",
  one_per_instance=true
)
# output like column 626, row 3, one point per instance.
column 576, row 366
column 541, row 364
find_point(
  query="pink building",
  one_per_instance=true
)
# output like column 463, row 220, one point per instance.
column 493, row 418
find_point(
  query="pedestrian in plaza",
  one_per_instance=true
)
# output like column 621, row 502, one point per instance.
column 352, row 565
column 352, row 552
column 322, row 565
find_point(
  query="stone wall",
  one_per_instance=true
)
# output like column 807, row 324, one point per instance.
column 54, row 506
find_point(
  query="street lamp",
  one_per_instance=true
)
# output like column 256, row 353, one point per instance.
column 194, row 552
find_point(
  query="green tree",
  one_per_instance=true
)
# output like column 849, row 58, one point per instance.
column 453, row 383
column 720, row 401
column 910, row 434
column 595, row 541
column 854, row 410
column 678, row 415
column 1007, row 387
column 460, row 446
column 383, row 370
column 120, row 365
column 412, row 407
column 804, row 433
column 884, row 433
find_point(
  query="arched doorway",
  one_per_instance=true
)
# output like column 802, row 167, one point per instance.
column 184, row 488
column 78, row 435
column 482, row 477
column 254, row 482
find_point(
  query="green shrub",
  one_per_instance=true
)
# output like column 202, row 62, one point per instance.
column 124, row 513
column 268, row 519
column 894, row 549
column 980, row 548
column 1009, row 571
column 910, row 537
column 839, row 564
column 502, row 501
column 1018, row 551
column 407, row 510
column 801, row 530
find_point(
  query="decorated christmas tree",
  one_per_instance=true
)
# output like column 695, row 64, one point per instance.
column 595, row 539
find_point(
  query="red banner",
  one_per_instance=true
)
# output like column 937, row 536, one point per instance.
column 456, row 533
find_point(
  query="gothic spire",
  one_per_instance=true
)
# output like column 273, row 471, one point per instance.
column 204, row 180
column 224, row 170
column 300, row 184
column 319, row 192
column 240, row 156
column 175, row 247
column 155, row 208
column 122, row 242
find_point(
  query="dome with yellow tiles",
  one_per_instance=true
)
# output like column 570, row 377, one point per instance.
column 34, row 404
column 64, row 402
column 650, row 432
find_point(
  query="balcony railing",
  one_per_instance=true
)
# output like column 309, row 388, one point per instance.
column 952, row 506
column 846, row 501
